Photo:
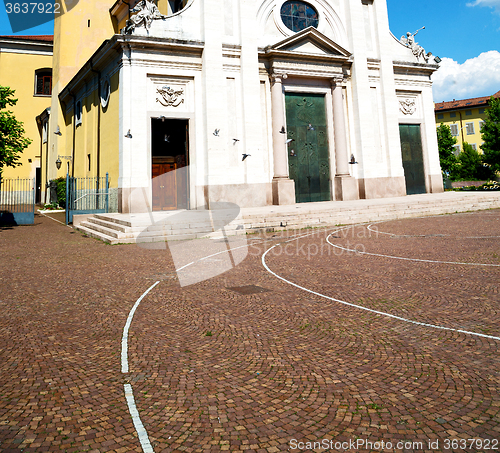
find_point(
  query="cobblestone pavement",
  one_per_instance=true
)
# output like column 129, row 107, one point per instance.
column 213, row 369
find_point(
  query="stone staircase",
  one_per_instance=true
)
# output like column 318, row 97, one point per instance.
column 186, row 225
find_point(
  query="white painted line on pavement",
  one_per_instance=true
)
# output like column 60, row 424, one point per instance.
column 136, row 419
column 127, row 327
column 410, row 321
column 458, row 263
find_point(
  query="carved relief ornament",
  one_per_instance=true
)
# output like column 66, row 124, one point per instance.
column 170, row 97
column 408, row 106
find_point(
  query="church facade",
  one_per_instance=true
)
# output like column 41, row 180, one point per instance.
column 190, row 103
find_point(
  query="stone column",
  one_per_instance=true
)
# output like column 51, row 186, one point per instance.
column 279, row 138
column 341, row 159
column 346, row 187
column 282, row 187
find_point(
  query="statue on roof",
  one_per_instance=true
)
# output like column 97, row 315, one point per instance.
column 417, row 50
column 147, row 11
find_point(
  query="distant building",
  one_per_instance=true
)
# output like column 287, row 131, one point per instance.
column 465, row 118
column 26, row 67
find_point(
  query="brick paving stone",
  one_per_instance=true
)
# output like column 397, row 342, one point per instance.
column 279, row 365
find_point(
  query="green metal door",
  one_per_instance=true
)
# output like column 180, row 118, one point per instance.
column 413, row 162
column 308, row 160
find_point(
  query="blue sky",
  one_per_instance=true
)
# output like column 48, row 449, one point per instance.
column 464, row 33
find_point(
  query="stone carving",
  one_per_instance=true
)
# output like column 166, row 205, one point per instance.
column 170, row 97
column 408, row 106
column 322, row 138
column 324, row 168
column 417, row 50
column 303, row 112
column 147, row 11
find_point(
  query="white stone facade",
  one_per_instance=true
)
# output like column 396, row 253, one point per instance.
column 226, row 67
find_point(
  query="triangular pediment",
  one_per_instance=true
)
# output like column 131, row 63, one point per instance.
column 309, row 42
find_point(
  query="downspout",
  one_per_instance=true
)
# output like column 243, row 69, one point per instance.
column 47, row 161
column 74, row 135
column 98, row 118
column 461, row 129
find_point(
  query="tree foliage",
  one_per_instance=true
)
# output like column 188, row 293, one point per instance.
column 447, row 157
column 12, row 140
column 490, row 133
column 471, row 167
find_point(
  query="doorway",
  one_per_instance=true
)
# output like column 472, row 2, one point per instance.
column 169, row 156
column 308, row 154
column 38, row 185
column 412, row 156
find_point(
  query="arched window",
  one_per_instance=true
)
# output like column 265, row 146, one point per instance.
column 297, row 16
column 177, row 5
column 78, row 113
column 43, row 82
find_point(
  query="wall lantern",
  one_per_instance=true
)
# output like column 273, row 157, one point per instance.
column 59, row 161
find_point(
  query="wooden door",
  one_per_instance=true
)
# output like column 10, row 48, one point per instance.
column 164, row 186
column 308, row 160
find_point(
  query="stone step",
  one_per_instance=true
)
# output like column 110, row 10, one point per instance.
column 186, row 225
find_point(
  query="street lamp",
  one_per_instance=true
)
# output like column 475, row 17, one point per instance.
column 58, row 163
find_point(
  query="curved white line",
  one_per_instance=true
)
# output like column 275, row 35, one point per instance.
column 444, row 235
column 409, row 259
column 129, row 393
column 55, row 220
column 381, row 313
column 136, row 419
column 127, row 327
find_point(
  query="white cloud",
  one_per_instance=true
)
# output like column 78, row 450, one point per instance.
column 479, row 76
column 491, row 3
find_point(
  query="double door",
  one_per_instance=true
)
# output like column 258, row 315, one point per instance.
column 164, row 186
column 169, row 152
column 412, row 156
column 308, row 154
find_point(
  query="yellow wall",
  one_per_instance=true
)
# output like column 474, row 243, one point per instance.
column 17, row 71
column 460, row 118
column 86, row 134
column 74, row 43
column 110, row 124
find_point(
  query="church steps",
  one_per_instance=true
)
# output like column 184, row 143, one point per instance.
column 122, row 228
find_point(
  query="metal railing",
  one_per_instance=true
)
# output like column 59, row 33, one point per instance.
column 17, row 201
column 86, row 196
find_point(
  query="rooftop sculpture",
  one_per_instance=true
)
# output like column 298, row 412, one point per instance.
column 418, row 50
column 147, row 11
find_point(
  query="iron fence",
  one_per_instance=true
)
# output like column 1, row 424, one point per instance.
column 17, row 201
column 86, row 196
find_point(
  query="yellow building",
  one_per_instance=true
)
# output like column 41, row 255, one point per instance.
column 465, row 118
column 26, row 67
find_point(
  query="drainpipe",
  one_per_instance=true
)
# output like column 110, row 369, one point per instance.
column 98, row 118
column 461, row 128
column 74, row 135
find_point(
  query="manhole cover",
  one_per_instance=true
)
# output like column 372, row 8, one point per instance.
column 249, row 289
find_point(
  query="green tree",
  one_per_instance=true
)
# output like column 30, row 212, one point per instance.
column 471, row 165
column 447, row 157
column 12, row 140
column 490, row 133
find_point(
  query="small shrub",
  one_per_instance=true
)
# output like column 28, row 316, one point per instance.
column 61, row 191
